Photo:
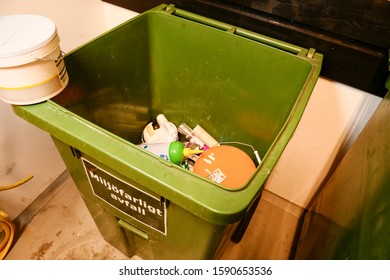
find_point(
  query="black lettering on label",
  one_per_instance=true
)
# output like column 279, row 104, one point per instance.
column 125, row 197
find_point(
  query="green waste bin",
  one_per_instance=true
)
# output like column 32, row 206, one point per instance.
column 237, row 84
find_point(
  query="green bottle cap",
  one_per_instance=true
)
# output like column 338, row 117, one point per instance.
column 176, row 152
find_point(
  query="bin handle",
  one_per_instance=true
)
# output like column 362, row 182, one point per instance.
column 133, row 229
column 237, row 31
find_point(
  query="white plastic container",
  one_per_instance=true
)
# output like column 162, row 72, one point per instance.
column 166, row 131
column 32, row 68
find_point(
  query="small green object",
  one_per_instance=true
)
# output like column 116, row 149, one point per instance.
column 176, row 150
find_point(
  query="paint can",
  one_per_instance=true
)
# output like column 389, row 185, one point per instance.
column 226, row 165
column 32, row 68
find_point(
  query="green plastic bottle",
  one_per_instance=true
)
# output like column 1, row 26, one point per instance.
column 174, row 151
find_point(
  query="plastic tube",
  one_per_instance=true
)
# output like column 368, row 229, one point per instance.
column 203, row 135
column 187, row 132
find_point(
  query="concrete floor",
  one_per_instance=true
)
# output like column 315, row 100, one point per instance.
column 61, row 229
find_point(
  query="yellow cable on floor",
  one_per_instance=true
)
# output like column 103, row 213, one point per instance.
column 9, row 230
column 6, row 224
column 17, row 184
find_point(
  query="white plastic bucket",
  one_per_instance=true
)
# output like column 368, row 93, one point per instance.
column 32, row 68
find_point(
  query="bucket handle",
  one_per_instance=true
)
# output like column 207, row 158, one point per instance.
column 133, row 229
column 60, row 57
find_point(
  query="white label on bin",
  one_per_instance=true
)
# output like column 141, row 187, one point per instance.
column 126, row 198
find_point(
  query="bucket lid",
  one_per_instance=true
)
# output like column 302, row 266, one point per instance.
column 24, row 33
